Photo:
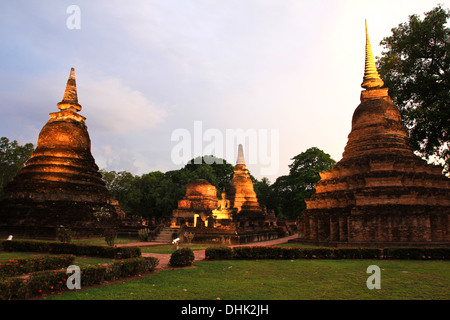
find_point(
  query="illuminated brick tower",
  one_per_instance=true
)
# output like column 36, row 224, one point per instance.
column 60, row 184
column 379, row 193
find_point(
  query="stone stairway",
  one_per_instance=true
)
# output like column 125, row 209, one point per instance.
column 166, row 235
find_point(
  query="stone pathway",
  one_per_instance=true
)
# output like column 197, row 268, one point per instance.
column 200, row 254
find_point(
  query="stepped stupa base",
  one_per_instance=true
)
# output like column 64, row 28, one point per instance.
column 225, row 237
column 41, row 220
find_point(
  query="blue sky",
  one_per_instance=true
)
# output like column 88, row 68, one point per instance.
column 145, row 69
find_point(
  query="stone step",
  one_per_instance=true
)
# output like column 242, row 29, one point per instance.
column 165, row 235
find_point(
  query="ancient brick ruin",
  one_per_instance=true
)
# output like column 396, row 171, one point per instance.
column 196, row 206
column 379, row 193
column 237, row 217
column 60, row 184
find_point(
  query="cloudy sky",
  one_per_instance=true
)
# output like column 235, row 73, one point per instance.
column 161, row 81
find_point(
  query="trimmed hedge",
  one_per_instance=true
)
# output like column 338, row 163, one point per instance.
column 417, row 253
column 218, row 253
column 304, row 253
column 21, row 266
column 47, row 282
column 71, row 248
column 182, row 258
column 255, row 252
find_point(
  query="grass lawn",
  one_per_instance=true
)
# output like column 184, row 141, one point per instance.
column 281, row 280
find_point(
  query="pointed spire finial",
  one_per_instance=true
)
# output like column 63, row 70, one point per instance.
column 70, row 98
column 240, row 159
column 371, row 78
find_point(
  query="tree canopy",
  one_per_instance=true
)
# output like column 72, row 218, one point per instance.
column 415, row 67
column 289, row 192
column 13, row 157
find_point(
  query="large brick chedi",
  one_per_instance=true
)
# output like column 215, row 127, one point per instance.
column 60, row 184
column 379, row 193
column 242, row 196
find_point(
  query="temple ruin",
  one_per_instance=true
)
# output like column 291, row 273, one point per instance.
column 60, row 186
column 236, row 218
column 380, row 193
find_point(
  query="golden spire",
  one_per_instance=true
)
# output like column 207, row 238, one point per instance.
column 371, row 79
column 70, row 98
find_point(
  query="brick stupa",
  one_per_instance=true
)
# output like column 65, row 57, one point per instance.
column 60, row 184
column 197, row 204
column 234, row 219
column 242, row 196
column 379, row 193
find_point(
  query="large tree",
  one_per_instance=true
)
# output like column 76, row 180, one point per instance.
column 123, row 186
column 415, row 67
column 217, row 171
column 291, row 191
column 12, row 158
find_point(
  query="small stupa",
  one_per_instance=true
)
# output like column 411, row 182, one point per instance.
column 242, row 196
column 196, row 206
column 60, row 184
column 380, row 193
column 241, row 193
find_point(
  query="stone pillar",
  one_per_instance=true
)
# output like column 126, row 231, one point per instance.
column 303, row 227
column 434, row 232
column 343, row 236
column 380, row 228
column 389, row 228
column 313, row 228
column 334, row 228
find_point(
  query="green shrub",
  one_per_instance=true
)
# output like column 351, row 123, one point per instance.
column 292, row 253
column 143, row 234
column 94, row 274
column 12, row 288
column 130, row 267
column 357, row 253
column 218, row 253
column 437, row 253
column 43, row 282
column 110, row 236
column 404, row 253
column 182, row 257
column 20, row 266
column 49, row 281
column 72, row 248
column 64, row 234
column 417, row 253
column 255, row 252
column 249, row 252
